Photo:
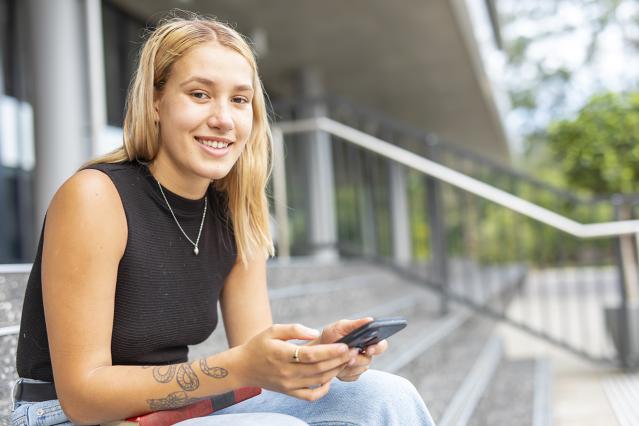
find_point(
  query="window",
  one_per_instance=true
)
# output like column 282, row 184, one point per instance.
column 123, row 37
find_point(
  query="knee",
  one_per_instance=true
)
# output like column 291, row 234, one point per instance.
column 386, row 387
column 390, row 399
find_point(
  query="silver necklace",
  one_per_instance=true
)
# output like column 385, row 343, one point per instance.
column 199, row 233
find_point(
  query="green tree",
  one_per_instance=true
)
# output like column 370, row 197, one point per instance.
column 599, row 149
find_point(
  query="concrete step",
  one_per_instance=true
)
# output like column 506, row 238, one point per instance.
column 509, row 399
column 436, row 353
column 440, row 372
column 303, row 271
column 12, row 286
column 376, row 293
column 8, row 375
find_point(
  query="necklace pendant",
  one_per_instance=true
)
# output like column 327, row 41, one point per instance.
column 196, row 250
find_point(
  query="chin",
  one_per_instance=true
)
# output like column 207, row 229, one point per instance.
column 213, row 172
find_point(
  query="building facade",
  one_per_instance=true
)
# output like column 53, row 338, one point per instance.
column 66, row 65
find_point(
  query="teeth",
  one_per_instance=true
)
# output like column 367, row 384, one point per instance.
column 213, row 144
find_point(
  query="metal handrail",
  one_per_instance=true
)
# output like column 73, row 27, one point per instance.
column 394, row 125
column 460, row 180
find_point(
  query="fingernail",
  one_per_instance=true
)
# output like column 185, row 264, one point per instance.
column 343, row 348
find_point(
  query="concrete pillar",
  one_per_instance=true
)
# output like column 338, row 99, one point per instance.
column 4, row 212
column 59, row 95
column 96, row 75
column 400, row 218
column 321, row 185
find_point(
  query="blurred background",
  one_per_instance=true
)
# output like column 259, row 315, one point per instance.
column 472, row 165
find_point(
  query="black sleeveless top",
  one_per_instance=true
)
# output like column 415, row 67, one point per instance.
column 166, row 296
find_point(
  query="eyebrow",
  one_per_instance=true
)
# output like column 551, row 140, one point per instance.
column 208, row 82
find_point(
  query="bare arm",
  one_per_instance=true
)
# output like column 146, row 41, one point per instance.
column 244, row 302
column 85, row 237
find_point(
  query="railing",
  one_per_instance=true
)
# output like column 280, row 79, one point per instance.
column 544, row 271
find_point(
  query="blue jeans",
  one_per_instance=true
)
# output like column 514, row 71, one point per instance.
column 37, row 413
column 377, row 398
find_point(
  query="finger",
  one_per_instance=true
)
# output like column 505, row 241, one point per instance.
column 360, row 360
column 341, row 328
column 292, row 331
column 354, row 356
column 346, row 326
column 378, row 348
column 313, row 354
column 311, row 394
column 348, row 378
column 314, row 369
column 353, row 371
column 324, row 377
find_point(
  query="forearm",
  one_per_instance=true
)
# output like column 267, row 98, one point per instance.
column 118, row 392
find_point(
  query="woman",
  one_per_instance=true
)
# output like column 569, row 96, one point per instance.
column 138, row 247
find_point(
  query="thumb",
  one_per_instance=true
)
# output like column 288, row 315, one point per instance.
column 347, row 326
column 341, row 328
column 293, row 331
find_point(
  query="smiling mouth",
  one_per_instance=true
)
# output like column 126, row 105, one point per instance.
column 217, row 144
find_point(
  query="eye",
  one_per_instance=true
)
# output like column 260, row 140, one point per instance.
column 240, row 100
column 200, row 95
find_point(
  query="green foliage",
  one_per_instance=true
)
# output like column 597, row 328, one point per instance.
column 599, row 150
column 516, row 49
column 525, row 98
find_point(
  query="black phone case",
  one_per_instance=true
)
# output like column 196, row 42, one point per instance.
column 373, row 332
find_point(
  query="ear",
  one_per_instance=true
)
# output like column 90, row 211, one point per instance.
column 156, row 106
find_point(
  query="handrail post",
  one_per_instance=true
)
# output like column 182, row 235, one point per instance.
column 279, row 193
column 399, row 208
column 438, row 232
column 622, row 324
column 400, row 214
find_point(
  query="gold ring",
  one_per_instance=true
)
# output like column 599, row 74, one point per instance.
column 296, row 356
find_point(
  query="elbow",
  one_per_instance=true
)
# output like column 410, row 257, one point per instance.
column 78, row 412
column 80, row 401
column 80, row 408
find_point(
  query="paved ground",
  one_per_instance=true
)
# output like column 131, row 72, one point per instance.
column 578, row 395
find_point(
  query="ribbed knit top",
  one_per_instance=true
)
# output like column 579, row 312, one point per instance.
column 166, row 296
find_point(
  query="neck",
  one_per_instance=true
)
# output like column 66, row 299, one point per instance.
column 191, row 186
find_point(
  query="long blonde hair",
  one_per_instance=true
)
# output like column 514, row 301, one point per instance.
column 245, row 185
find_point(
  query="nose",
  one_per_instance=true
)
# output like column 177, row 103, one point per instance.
column 220, row 117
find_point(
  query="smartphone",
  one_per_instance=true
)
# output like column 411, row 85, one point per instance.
column 373, row 332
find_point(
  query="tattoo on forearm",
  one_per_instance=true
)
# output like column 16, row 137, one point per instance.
column 164, row 374
column 216, row 372
column 173, row 400
column 186, row 378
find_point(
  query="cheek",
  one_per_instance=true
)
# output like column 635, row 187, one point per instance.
column 244, row 122
column 179, row 116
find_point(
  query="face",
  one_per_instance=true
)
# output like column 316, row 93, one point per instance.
column 205, row 116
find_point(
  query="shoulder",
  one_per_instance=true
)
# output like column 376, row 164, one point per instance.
column 87, row 187
column 88, row 204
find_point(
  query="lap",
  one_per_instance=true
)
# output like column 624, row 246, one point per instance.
column 345, row 403
column 245, row 419
column 376, row 398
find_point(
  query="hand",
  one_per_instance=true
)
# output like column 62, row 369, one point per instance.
column 359, row 362
column 267, row 361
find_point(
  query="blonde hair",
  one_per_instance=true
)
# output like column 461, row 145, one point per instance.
column 245, row 184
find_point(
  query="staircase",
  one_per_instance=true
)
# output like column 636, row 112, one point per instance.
column 485, row 240
column 455, row 361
